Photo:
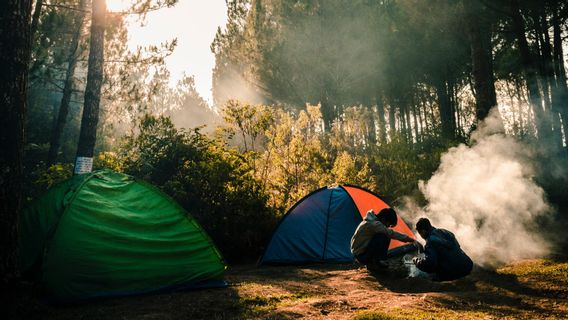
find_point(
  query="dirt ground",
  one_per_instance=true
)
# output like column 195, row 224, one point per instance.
column 535, row 289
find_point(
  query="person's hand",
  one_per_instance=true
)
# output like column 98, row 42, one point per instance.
column 415, row 260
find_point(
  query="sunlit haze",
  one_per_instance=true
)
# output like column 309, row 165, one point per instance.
column 193, row 23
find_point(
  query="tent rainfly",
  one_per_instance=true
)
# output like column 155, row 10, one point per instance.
column 319, row 227
column 108, row 234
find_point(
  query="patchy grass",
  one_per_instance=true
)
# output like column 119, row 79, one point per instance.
column 417, row 314
column 540, row 268
column 252, row 306
column 534, row 289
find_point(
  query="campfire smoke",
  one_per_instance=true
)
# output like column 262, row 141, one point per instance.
column 486, row 195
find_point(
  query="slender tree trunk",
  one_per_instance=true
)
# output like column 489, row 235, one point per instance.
column 445, row 109
column 408, row 122
column 543, row 124
column 561, row 86
column 55, row 141
column 432, row 116
column 89, row 121
column 15, row 50
column 326, row 95
column 549, row 83
column 453, row 105
column 519, row 95
column 415, row 119
column 479, row 34
column 381, row 119
column 370, row 121
column 558, row 53
column 392, row 120
column 35, row 18
column 422, row 119
column 402, row 121
column 328, row 111
column 544, row 57
column 459, row 128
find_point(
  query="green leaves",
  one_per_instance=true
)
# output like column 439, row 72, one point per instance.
column 214, row 183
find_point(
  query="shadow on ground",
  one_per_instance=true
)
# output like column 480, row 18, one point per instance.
column 325, row 292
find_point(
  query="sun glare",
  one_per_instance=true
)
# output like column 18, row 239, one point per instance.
column 118, row 5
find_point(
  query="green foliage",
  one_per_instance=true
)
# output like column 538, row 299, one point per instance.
column 43, row 178
column 214, row 183
column 295, row 161
column 399, row 165
column 298, row 156
column 350, row 170
column 250, row 122
column 108, row 160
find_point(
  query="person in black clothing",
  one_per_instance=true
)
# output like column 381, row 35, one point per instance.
column 443, row 257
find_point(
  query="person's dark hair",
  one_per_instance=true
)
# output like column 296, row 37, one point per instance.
column 388, row 217
column 423, row 224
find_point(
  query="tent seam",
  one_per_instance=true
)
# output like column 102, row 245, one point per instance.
column 49, row 238
column 327, row 226
column 284, row 218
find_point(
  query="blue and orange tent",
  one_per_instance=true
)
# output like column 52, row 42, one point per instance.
column 319, row 227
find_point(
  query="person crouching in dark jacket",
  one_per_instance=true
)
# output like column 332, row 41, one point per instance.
column 443, row 256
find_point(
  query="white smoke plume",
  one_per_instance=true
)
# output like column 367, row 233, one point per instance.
column 486, row 195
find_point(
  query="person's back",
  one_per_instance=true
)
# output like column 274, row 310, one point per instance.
column 443, row 255
column 453, row 262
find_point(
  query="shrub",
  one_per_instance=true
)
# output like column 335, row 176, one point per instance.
column 212, row 182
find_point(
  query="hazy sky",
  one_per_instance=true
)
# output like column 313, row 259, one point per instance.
column 193, row 23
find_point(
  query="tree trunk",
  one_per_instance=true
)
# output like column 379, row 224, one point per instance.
column 15, row 50
column 67, row 89
column 459, row 124
column 519, row 95
column 558, row 54
column 402, row 121
column 415, row 118
column 453, row 100
column 479, row 34
column 371, row 128
column 544, row 128
column 561, row 85
column 549, row 83
column 408, row 124
column 392, row 120
column 445, row 109
column 90, row 118
column 35, row 18
column 422, row 119
column 381, row 119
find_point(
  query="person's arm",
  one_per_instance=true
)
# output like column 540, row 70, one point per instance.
column 379, row 227
column 428, row 262
column 398, row 236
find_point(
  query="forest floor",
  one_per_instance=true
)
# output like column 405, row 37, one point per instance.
column 530, row 289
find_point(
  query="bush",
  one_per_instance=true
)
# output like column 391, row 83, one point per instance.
column 212, row 182
column 42, row 178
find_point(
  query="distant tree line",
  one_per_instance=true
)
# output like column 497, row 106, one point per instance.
column 420, row 67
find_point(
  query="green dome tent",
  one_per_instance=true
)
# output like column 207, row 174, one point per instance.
column 108, row 234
